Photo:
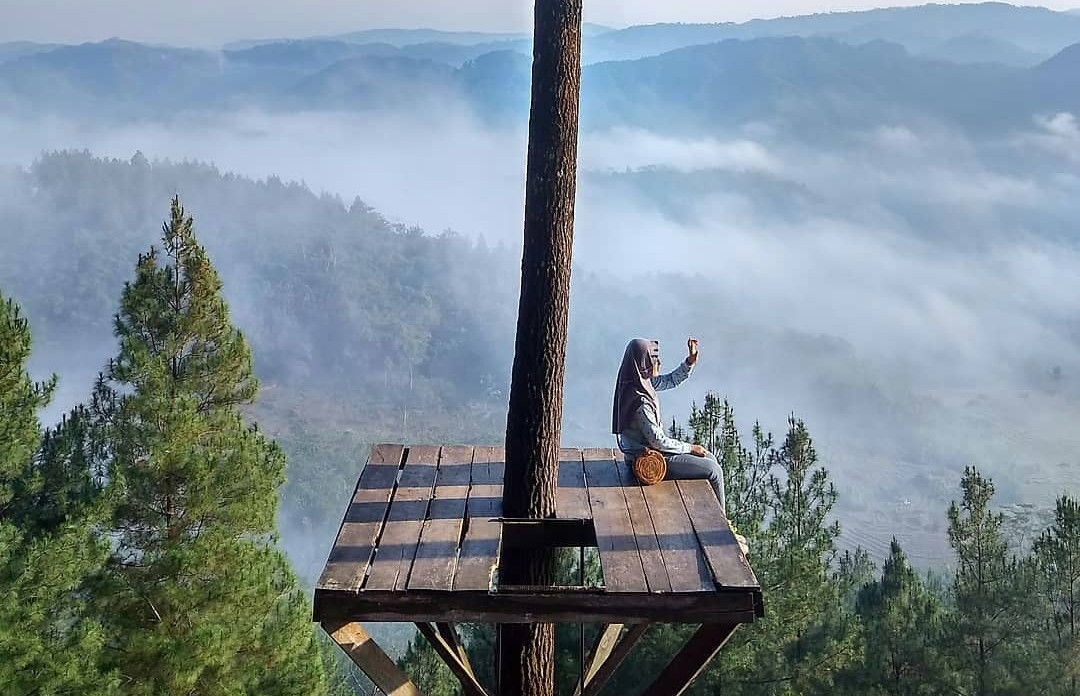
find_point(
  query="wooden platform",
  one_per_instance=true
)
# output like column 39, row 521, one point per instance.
column 421, row 540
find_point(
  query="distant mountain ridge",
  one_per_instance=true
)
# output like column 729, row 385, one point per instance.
column 312, row 54
column 813, row 84
column 1035, row 30
column 988, row 32
column 17, row 49
column 92, row 75
column 403, row 38
column 1007, row 34
column 1064, row 67
column 978, row 48
column 395, row 37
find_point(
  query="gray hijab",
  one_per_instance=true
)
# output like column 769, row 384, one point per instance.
column 634, row 385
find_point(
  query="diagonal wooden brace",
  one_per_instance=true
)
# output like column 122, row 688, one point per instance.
column 608, row 653
column 605, row 642
column 449, row 634
column 691, row 660
column 454, row 659
column 371, row 659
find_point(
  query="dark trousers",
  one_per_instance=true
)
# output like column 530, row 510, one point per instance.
column 682, row 467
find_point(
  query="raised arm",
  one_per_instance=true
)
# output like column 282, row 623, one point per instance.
column 679, row 374
column 673, row 378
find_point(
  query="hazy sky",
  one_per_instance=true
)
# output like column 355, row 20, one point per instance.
column 209, row 22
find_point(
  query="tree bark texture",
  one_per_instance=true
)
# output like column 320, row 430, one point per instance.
column 527, row 652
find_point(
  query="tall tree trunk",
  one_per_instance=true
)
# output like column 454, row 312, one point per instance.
column 527, row 652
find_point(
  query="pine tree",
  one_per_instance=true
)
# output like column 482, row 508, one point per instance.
column 745, row 471
column 47, row 542
column 902, row 628
column 989, row 619
column 784, row 499
column 197, row 598
column 1057, row 564
column 806, row 637
column 20, row 400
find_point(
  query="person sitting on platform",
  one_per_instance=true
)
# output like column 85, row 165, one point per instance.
column 636, row 416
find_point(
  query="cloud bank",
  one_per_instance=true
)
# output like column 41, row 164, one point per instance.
column 941, row 267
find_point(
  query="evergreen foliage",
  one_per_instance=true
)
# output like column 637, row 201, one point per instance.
column 1057, row 577
column 989, row 591
column 138, row 539
column 902, row 625
column 805, row 637
column 47, row 544
column 833, row 624
column 196, row 597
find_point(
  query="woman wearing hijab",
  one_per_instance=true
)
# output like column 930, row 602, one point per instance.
column 636, row 415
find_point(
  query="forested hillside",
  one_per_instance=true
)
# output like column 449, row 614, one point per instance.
column 138, row 548
column 364, row 330
column 1000, row 620
column 869, row 220
column 160, row 462
column 361, row 329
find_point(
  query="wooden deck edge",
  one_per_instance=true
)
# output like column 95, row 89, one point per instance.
column 535, row 607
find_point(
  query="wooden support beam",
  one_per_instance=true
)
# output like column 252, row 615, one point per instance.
column 450, row 656
column 524, row 605
column 605, row 641
column 691, row 660
column 371, row 659
column 449, row 633
column 605, row 670
column 527, row 605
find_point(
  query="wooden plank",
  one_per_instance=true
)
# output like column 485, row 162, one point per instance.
column 349, row 558
column 371, row 659
column 572, row 497
column 544, row 605
column 683, row 557
column 691, row 660
column 436, row 556
column 482, row 543
column 726, row 560
column 401, row 534
column 606, row 670
column 652, row 560
column 595, row 454
column 451, row 659
column 620, row 559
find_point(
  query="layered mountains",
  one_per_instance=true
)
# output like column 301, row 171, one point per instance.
column 979, row 67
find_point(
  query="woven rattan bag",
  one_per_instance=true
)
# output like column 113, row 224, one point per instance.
column 650, row 467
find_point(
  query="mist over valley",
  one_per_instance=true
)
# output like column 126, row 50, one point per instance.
column 868, row 219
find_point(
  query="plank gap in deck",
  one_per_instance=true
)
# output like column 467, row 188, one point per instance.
column 729, row 567
column 683, row 557
column 620, row 558
column 436, row 556
column 351, row 554
column 479, row 554
column 401, row 533
column 652, row 560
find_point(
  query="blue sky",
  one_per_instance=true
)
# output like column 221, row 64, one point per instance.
column 210, row 22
